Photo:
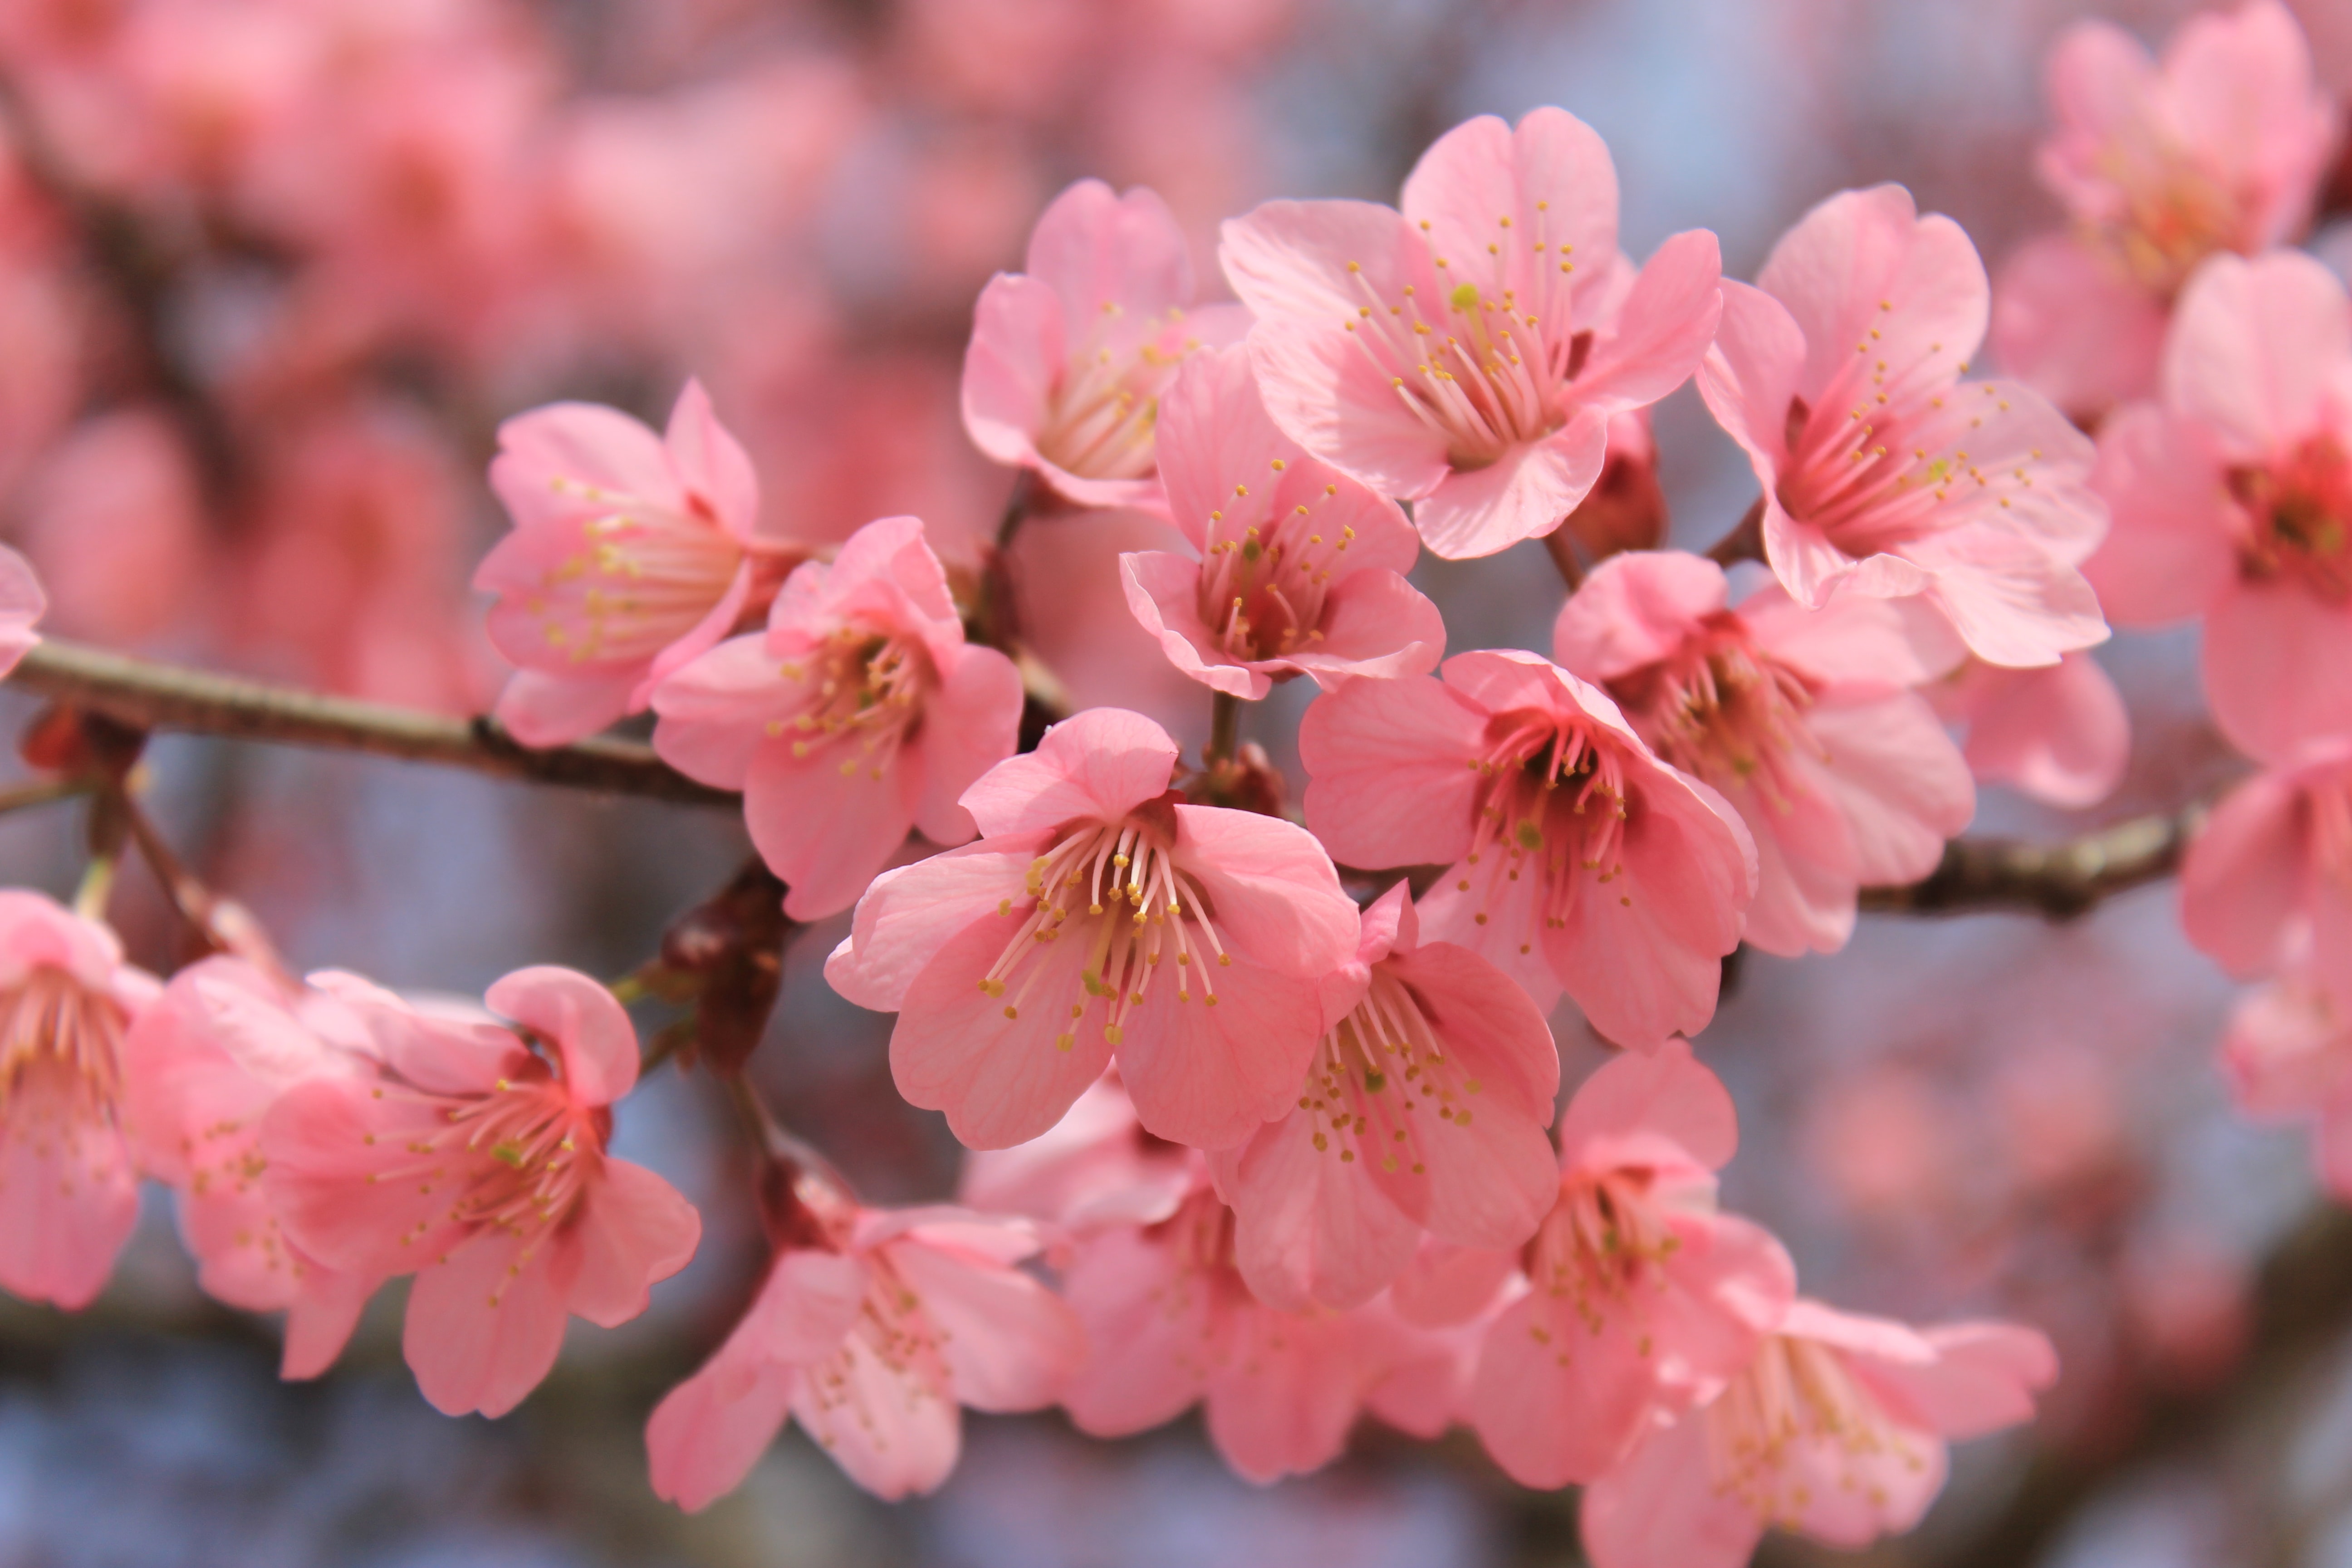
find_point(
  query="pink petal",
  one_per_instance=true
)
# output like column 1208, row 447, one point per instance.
column 636, row 1229
column 712, row 713
column 541, row 709
column 1388, row 783
column 2173, row 546
column 2254, row 348
column 1283, row 1397
column 1272, row 889
column 1661, row 331
column 322, row 1140
column 2273, row 648
column 1163, row 590
column 2060, row 733
column 711, row 463
column 1898, row 781
column 1131, row 1294
column 1309, row 1228
column 1642, row 1098
column 910, row 913
column 1806, row 865
column 485, row 1323
column 893, row 1434
column 1375, row 625
column 2243, row 876
column 825, row 832
column 1636, row 608
column 320, row 1320
column 1206, row 1072
column 708, row 1431
column 1750, row 375
column 2069, row 325
column 1984, row 1378
column 1009, row 1342
column 1010, row 369
column 1552, row 177
column 592, row 1032
column 1527, row 491
column 1856, row 644
column 1658, row 1507
column 969, row 725
column 22, row 603
column 1098, row 247
column 587, row 446
column 68, row 1196
column 2011, row 601
column 1095, row 767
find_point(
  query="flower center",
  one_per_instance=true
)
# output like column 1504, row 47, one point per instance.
column 2298, row 511
column 1106, row 411
column 1265, row 574
column 517, row 1159
column 862, row 693
column 1723, row 709
column 647, row 576
column 1797, row 1391
column 1116, row 890
column 1551, row 808
column 61, row 1044
column 1372, row 1074
column 2174, row 216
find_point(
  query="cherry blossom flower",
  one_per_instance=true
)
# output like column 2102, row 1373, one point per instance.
column 631, row 553
column 69, row 1183
column 1803, row 720
column 1423, row 1112
column 2267, row 882
column 1579, row 862
column 1095, row 1167
column 2221, row 147
column 859, row 713
column 2288, row 1055
column 1645, row 1302
column 1301, row 568
column 479, row 1163
column 1467, row 353
column 22, row 605
column 1837, row 1429
column 871, row 1331
column 2232, row 496
column 1101, row 915
column 1885, row 474
column 1068, row 361
column 2058, row 732
column 202, row 1067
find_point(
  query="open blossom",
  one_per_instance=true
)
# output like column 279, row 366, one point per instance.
column 479, row 1163
column 1885, row 474
column 2221, row 147
column 1301, row 568
column 68, row 1181
column 22, row 603
column 1068, row 361
column 2289, row 1057
column 2267, row 882
column 1644, row 1301
column 1578, row 859
column 1099, row 915
column 2059, row 732
column 1468, row 352
column 202, row 1065
column 1837, row 1429
column 860, row 713
column 1802, row 719
column 2232, row 496
column 873, row 1327
column 632, row 553
column 1423, row 1111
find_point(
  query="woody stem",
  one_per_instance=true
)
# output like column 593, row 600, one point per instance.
column 1224, row 727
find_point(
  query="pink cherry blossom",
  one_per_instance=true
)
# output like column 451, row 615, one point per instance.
column 1068, row 361
column 2232, row 496
column 871, row 1332
column 1423, row 1112
column 1467, row 353
column 1803, row 720
column 2221, row 148
column 859, row 713
column 479, row 1163
column 1579, row 860
column 2267, row 882
column 1645, row 1302
column 2289, row 1058
column 1300, row 569
column 22, row 605
column 202, row 1067
column 69, row 1187
column 1101, row 915
column 1095, row 1167
column 2058, row 732
column 631, row 553
column 1885, row 474
column 1837, row 1429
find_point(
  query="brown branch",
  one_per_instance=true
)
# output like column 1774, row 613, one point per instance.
column 2060, row 880
column 144, row 695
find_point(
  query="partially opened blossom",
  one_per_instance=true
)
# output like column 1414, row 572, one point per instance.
column 1300, row 569
column 1885, row 474
column 873, row 1328
column 1803, row 720
column 632, row 553
column 1422, row 1112
column 2058, row 732
column 2288, row 1055
column 1577, row 859
column 22, row 603
column 2266, row 884
column 2221, row 147
column 1467, row 353
column 202, row 1065
column 478, row 1162
column 1838, row 1429
column 859, row 713
column 1068, row 359
column 69, row 1181
column 2232, row 496
column 1099, row 915
column 1644, row 1301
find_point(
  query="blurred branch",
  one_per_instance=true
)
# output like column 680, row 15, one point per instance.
column 2060, row 880
column 144, row 695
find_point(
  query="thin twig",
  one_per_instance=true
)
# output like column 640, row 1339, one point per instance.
column 1224, row 727
column 2060, row 880
column 148, row 696
column 1744, row 542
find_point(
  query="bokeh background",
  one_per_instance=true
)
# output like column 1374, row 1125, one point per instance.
column 272, row 270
